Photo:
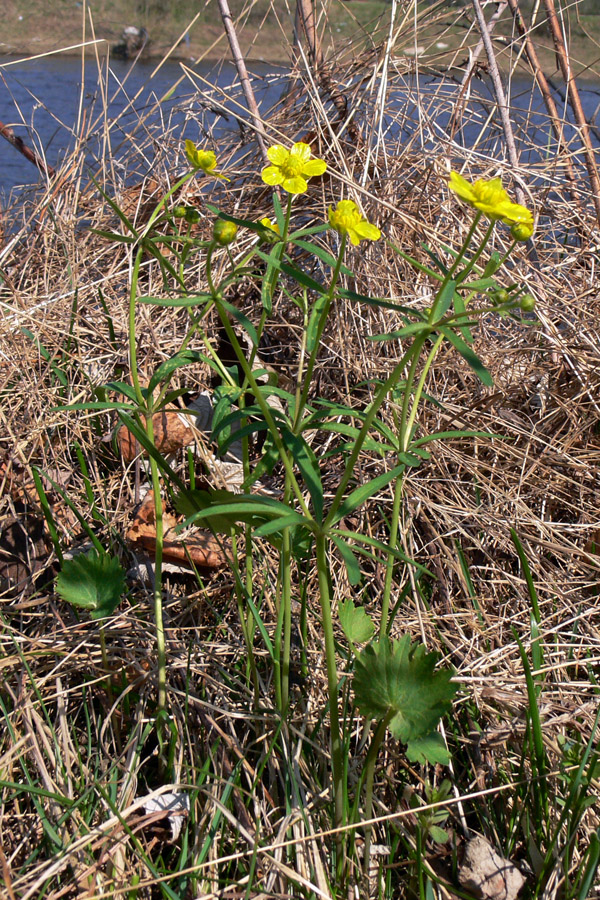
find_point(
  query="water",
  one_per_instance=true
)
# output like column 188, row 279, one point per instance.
column 42, row 99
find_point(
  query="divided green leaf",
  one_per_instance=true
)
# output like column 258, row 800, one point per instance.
column 93, row 581
column 398, row 679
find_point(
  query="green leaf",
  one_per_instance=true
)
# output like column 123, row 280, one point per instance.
column 306, row 461
column 295, row 273
column 466, row 352
column 93, row 581
column 362, row 493
column 166, row 369
column 315, row 250
column 444, row 298
column 436, row 833
column 396, row 680
column 357, row 625
column 195, row 300
column 413, row 328
column 380, row 302
column 461, row 312
column 350, row 560
column 432, row 749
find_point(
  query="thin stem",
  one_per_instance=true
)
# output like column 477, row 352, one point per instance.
column 369, row 771
column 389, row 571
column 374, row 408
column 132, row 339
column 319, row 334
column 468, row 268
column 286, row 599
column 337, row 762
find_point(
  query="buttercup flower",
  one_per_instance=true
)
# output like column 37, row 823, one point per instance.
column 292, row 168
column 492, row 200
column 268, row 223
column 202, row 159
column 347, row 218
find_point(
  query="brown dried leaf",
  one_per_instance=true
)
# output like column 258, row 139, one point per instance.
column 200, row 548
column 171, row 433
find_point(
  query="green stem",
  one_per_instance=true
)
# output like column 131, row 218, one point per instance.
column 319, row 334
column 369, row 771
column 133, row 365
column 451, row 271
column 337, row 761
column 158, row 555
column 389, row 571
column 265, row 410
column 468, row 268
column 286, row 599
column 374, row 408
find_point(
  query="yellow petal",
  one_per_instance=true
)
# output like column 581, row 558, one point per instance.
column 461, row 186
column 302, row 150
column 271, row 175
column 314, row 167
column 277, row 154
column 368, row 231
column 294, row 185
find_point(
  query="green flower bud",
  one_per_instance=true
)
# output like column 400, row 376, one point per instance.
column 192, row 215
column 521, row 231
column 224, row 232
column 179, row 212
column 527, row 303
column 500, row 296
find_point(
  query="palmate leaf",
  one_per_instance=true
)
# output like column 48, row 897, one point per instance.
column 397, row 679
column 94, row 581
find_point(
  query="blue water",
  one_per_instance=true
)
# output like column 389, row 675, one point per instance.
column 44, row 100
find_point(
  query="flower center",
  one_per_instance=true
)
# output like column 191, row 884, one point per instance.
column 292, row 167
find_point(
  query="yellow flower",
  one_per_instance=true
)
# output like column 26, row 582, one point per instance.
column 492, row 200
column 202, row 159
column 347, row 218
column 292, row 168
column 268, row 223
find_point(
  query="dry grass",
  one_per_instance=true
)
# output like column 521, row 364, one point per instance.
column 536, row 473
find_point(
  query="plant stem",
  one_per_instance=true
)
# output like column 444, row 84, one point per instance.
column 318, row 335
column 337, row 762
column 369, row 771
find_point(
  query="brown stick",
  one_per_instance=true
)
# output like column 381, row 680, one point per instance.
column 500, row 95
column 244, row 78
column 470, row 71
column 575, row 103
column 305, row 23
column 27, row 152
column 555, row 120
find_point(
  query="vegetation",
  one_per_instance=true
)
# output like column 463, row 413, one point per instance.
column 299, row 544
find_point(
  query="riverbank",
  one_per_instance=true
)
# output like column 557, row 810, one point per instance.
column 179, row 30
column 441, row 39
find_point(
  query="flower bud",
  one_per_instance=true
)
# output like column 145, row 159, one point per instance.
column 224, row 232
column 500, row 296
column 179, row 212
column 527, row 303
column 192, row 215
column 521, row 231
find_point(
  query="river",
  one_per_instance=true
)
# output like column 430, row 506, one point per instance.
column 47, row 100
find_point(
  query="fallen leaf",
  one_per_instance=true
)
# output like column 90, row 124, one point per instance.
column 172, row 431
column 199, row 548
